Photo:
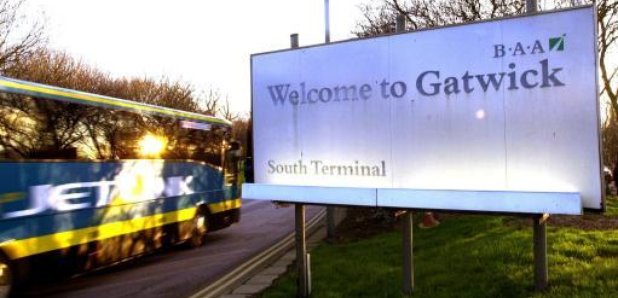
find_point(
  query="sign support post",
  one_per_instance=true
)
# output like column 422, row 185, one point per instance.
column 303, row 289
column 531, row 6
column 541, row 274
column 301, row 252
column 330, row 210
column 539, row 222
column 408, row 253
column 408, row 221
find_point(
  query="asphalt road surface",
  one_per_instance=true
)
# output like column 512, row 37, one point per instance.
column 181, row 272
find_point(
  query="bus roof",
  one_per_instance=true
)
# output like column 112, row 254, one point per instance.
column 68, row 95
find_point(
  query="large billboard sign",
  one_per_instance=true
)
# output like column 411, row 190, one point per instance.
column 497, row 107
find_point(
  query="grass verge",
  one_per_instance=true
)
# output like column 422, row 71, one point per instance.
column 469, row 256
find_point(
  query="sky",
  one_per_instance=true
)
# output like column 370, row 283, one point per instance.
column 202, row 42
column 205, row 43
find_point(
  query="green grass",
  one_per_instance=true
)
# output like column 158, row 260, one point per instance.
column 467, row 256
column 612, row 206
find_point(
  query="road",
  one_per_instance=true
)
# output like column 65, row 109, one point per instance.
column 181, row 272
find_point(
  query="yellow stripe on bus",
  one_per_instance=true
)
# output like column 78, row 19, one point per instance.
column 26, row 247
column 225, row 205
column 12, row 197
column 16, row 249
column 113, row 102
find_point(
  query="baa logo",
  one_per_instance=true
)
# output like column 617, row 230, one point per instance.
column 521, row 49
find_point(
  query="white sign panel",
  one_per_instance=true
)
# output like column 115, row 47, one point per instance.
column 508, row 105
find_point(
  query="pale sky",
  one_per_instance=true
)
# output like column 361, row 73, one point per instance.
column 205, row 43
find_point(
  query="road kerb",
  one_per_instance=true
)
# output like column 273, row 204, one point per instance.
column 245, row 271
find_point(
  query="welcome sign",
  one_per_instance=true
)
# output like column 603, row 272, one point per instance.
column 486, row 110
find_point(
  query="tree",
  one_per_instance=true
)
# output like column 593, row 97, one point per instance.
column 209, row 102
column 37, row 127
column 18, row 40
column 226, row 112
column 240, row 132
column 29, row 126
column 380, row 18
column 608, row 35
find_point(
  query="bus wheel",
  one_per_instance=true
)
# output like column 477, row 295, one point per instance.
column 199, row 229
column 6, row 277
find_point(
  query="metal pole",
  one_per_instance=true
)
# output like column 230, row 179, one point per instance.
column 330, row 223
column 541, row 274
column 301, row 244
column 531, row 6
column 294, row 40
column 309, row 286
column 330, row 210
column 408, row 222
column 302, row 289
column 326, row 21
column 400, row 26
column 408, row 253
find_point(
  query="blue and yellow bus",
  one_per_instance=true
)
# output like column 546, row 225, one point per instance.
column 89, row 180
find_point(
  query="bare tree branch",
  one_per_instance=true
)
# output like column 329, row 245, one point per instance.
column 16, row 42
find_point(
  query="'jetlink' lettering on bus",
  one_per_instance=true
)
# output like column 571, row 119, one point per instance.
column 70, row 196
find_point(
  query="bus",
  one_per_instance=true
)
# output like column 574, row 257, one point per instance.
column 87, row 180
